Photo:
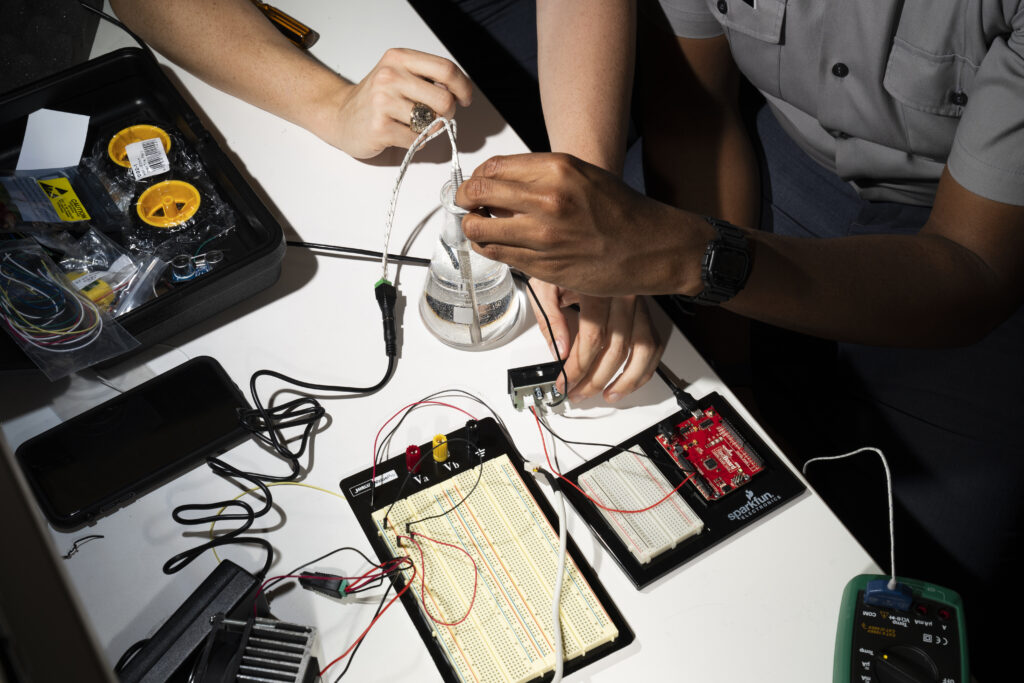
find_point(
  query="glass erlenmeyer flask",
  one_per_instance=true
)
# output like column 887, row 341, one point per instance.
column 469, row 301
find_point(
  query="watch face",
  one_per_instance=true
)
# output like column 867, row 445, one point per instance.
column 729, row 266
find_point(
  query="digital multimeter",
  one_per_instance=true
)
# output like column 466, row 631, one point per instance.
column 914, row 633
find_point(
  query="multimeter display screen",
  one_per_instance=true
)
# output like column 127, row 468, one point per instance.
column 142, row 437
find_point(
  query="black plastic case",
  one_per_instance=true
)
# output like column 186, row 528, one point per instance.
column 128, row 84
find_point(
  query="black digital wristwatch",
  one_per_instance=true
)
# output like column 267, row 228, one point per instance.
column 726, row 264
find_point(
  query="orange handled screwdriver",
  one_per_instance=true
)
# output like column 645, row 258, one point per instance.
column 293, row 29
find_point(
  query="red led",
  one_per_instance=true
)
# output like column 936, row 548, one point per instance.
column 412, row 459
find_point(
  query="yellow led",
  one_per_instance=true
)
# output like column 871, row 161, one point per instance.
column 440, row 448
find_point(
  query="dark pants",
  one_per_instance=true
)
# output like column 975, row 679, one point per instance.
column 946, row 418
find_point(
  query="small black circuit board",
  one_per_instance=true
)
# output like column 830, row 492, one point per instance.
column 394, row 482
column 735, row 480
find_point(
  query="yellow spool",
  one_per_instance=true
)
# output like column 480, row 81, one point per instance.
column 138, row 133
column 168, row 204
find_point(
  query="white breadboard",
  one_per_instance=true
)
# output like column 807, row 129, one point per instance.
column 508, row 634
column 629, row 481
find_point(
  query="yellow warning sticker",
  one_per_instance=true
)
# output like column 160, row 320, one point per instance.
column 64, row 199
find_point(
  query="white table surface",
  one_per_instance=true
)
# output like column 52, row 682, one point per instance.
column 761, row 606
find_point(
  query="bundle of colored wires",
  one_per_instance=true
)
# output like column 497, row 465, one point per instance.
column 40, row 310
column 381, row 608
column 373, row 579
column 361, row 583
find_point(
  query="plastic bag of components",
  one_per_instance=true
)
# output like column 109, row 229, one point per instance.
column 143, row 286
column 133, row 152
column 70, row 198
column 177, row 209
column 59, row 328
column 99, row 268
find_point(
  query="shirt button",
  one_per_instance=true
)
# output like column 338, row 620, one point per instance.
column 840, row 70
column 722, row 6
column 958, row 98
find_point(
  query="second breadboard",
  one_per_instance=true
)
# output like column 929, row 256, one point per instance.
column 630, row 481
column 711, row 473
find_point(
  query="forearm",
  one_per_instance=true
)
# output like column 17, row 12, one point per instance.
column 229, row 44
column 585, row 62
column 886, row 290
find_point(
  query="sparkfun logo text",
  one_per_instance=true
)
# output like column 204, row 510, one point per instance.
column 754, row 505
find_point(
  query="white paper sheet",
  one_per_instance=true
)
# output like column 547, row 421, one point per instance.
column 53, row 139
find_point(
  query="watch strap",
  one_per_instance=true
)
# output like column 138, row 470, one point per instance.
column 728, row 237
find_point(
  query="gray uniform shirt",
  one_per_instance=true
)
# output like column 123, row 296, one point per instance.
column 885, row 92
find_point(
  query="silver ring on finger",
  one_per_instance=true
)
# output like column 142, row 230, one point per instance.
column 420, row 117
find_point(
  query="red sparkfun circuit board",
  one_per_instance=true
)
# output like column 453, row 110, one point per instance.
column 707, row 445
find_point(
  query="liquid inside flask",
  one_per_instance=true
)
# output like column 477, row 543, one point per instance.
column 469, row 301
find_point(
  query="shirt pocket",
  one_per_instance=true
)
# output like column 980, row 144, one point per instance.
column 930, row 78
column 755, row 38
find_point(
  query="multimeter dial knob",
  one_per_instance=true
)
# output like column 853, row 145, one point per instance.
column 905, row 664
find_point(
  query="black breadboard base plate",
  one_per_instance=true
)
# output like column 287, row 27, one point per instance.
column 766, row 492
column 391, row 474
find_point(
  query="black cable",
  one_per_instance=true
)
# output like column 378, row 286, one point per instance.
column 306, row 411
column 132, row 650
column 117, row 23
column 684, row 398
column 352, row 655
column 266, row 426
column 416, row 467
column 551, row 333
column 397, row 258
column 79, row 543
column 607, row 446
column 479, row 476
column 247, row 516
column 385, row 443
column 270, row 584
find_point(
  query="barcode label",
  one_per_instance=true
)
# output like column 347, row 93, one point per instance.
column 84, row 281
column 122, row 263
column 147, row 158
